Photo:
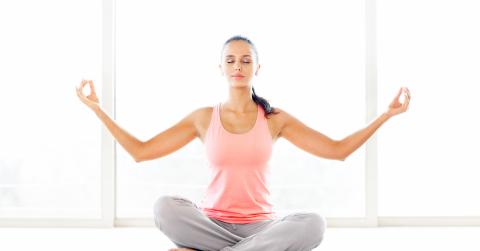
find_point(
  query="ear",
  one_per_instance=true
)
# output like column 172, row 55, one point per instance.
column 258, row 68
column 220, row 68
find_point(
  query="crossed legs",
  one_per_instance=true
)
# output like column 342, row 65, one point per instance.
column 186, row 226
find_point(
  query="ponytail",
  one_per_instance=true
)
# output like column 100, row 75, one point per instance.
column 263, row 103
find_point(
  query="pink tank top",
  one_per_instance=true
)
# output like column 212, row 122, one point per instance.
column 238, row 191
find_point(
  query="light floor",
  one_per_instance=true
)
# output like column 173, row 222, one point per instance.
column 146, row 239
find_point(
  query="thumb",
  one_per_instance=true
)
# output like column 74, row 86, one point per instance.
column 92, row 87
column 399, row 93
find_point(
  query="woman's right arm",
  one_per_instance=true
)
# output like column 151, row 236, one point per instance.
column 131, row 144
column 162, row 144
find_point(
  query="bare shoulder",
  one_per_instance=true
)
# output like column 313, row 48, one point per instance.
column 201, row 119
column 277, row 121
column 280, row 114
column 202, row 114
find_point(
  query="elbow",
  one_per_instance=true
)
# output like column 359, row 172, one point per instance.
column 340, row 157
column 138, row 155
column 145, row 155
column 342, row 154
column 138, row 158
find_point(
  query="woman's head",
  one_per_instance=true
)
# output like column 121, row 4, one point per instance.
column 239, row 63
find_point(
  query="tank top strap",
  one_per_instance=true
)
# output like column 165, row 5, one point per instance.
column 216, row 115
column 214, row 126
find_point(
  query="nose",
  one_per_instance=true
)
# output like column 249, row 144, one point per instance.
column 237, row 66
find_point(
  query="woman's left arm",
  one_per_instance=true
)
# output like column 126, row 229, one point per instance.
column 351, row 143
column 321, row 145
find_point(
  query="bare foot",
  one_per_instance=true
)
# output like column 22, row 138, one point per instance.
column 181, row 249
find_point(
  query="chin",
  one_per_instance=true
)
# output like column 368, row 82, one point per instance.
column 239, row 85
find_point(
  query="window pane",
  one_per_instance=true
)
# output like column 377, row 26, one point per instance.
column 49, row 141
column 428, row 163
column 167, row 67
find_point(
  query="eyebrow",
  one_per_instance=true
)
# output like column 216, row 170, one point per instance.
column 231, row 56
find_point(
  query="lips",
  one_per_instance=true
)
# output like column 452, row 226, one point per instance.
column 238, row 76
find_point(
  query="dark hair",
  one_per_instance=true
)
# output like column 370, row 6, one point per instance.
column 258, row 100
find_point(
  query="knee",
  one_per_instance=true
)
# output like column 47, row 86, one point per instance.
column 315, row 228
column 163, row 210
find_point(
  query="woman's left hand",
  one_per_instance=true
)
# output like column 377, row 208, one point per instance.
column 396, row 107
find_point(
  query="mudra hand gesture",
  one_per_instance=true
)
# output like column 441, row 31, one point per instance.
column 91, row 100
column 395, row 106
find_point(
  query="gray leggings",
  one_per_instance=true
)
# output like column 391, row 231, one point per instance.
column 187, row 226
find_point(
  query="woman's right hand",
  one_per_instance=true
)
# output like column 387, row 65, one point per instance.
column 91, row 100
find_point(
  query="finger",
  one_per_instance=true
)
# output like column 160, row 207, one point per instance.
column 80, row 95
column 398, row 94
column 92, row 87
column 406, row 103
column 78, row 90
column 82, row 84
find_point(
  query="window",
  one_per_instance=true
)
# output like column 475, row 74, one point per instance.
column 428, row 163
column 50, row 143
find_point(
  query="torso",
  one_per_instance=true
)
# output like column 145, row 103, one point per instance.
column 235, row 123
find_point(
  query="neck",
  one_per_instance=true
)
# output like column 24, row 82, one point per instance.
column 240, row 100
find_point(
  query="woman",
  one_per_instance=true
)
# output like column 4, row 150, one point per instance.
column 238, row 135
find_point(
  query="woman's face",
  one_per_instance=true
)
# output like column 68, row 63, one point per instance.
column 238, row 64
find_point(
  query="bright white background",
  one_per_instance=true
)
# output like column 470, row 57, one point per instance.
column 313, row 66
column 49, row 144
column 428, row 159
